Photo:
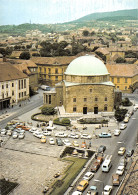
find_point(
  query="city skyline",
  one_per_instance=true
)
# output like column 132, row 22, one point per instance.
column 56, row 11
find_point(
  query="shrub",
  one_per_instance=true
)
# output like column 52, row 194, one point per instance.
column 25, row 55
column 120, row 114
column 126, row 102
column 64, row 121
column 48, row 110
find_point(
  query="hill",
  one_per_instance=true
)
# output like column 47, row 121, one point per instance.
column 121, row 13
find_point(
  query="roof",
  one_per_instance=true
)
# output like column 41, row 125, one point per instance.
column 87, row 65
column 25, row 65
column 103, row 51
column 53, row 60
column 122, row 70
column 8, row 72
column 108, row 83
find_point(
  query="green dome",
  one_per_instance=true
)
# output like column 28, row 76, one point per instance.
column 86, row 66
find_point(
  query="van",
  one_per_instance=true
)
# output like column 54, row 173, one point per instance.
column 106, row 164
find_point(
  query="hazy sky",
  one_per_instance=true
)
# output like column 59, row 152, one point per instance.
column 56, row 11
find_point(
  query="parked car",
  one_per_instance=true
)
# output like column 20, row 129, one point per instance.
column 15, row 135
column 75, row 143
column 129, row 152
column 82, row 185
column 120, row 170
column 77, row 193
column 38, row 134
column 59, row 142
column 21, row 136
column 95, row 167
column 92, row 191
column 105, row 135
column 107, row 190
column 123, row 126
column 75, row 152
column 43, row 139
column 123, row 161
column 3, row 131
column 121, row 151
column 33, row 129
column 51, row 141
column 86, row 136
column 117, row 132
column 73, row 135
column 26, row 128
column 9, row 132
column 126, row 119
column 88, row 176
column 99, row 160
column 115, row 180
column 67, row 142
column 47, row 133
column 101, row 149
column 84, row 145
column 61, row 134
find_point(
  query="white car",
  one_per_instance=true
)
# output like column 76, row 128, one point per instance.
column 51, row 141
column 46, row 133
column 21, row 136
column 66, row 142
column 73, row 135
column 120, row 170
column 77, row 193
column 3, row 131
column 86, row 136
column 88, row 176
column 107, row 190
column 33, row 129
column 9, row 132
column 15, row 135
column 117, row 132
column 38, row 134
column 123, row 126
column 61, row 134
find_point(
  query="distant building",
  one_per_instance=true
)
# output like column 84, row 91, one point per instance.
column 124, row 76
column 14, row 85
column 85, row 88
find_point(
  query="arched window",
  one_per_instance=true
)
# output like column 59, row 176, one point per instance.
column 105, row 107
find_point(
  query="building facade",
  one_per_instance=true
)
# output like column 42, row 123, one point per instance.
column 86, row 88
column 14, row 85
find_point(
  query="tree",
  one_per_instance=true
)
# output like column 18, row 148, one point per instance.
column 25, row 55
column 126, row 102
column 48, row 110
column 85, row 33
column 120, row 114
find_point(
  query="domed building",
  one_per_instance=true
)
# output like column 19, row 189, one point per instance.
column 86, row 88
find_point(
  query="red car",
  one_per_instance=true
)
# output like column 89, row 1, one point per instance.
column 95, row 167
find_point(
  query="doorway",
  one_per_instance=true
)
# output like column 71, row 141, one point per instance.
column 95, row 110
column 84, row 110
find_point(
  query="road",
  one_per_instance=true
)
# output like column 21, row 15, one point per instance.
column 127, row 139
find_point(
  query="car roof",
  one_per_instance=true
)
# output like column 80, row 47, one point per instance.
column 107, row 187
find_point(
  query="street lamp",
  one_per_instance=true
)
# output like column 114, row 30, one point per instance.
column 97, row 180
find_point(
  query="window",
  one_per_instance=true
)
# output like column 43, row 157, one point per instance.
column 49, row 70
column 118, row 80
column 19, row 95
column 112, row 80
column 44, row 76
column 2, row 95
column 96, row 99
column 7, row 94
column 19, row 83
column 46, row 99
column 6, row 85
column 125, row 80
column 25, row 93
column 24, row 83
column 12, row 92
column 22, row 94
column 2, row 86
column 105, row 99
column 125, row 87
column 56, row 70
column 85, row 99
column 44, row 70
column 105, row 108
column 49, row 99
column 12, row 84
column 56, row 78
column 74, row 99
column 74, row 109
column 40, row 69
column 117, row 87
column 90, row 90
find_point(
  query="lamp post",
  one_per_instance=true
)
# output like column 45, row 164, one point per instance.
column 97, row 180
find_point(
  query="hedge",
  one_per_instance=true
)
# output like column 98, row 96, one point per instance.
column 63, row 122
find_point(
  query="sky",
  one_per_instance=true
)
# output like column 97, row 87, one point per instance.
column 56, row 11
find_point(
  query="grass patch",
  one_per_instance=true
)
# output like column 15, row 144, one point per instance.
column 60, row 186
